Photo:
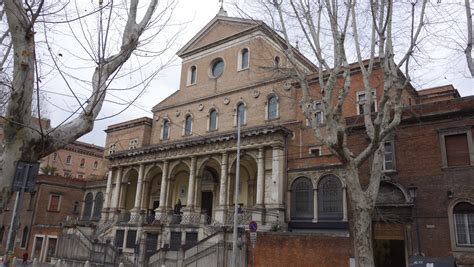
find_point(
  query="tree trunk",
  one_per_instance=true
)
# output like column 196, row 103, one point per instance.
column 361, row 231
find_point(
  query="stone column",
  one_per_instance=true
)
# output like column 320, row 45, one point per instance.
column 191, row 187
column 260, row 186
column 221, row 209
column 106, row 208
column 135, row 212
column 116, row 192
column 164, row 181
column 344, row 204
column 315, row 205
column 277, row 185
column 188, row 212
column 261, row 177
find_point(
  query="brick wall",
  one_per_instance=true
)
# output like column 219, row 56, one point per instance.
column 290, row 249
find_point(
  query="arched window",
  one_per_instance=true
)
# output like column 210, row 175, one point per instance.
column 244, row 59
column 302, row 199
column 98, row 202
column 88, row 202
column 272, row 107
column 68, row 159
column 83, row 162
column 330, row 206
column 192, row 75
column 463, row 214
column 212, row 120
column 96, row 164
column 240, row 113
column 24, row 237
column 166, row 130
column 188, row 125
column 276, row 62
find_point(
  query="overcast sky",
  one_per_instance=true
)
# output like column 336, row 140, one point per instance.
column 198, row 14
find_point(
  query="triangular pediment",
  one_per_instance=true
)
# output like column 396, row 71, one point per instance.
column 217, row 29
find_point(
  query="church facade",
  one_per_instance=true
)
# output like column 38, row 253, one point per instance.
column 171, row 178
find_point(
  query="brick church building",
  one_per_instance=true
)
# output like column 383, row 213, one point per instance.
column 171, row 178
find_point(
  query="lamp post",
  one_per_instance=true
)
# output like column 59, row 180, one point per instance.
column 236, row 196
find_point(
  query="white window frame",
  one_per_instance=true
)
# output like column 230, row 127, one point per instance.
column 209, row 120
column 59, row 202
column 267, row 103
column 68, row 160
column 236, row 113
column 162, row 137
column 47, row 245
column 319, row 148
column 33, row 248
column 240, row 57
column 81, row 165
column 188, row 79
column 359, row 102
column 452, row 228
column 55, row 156
column 394, row 165
column 184, row 125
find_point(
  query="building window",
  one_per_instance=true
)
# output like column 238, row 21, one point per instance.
column 212, row 120
column 463, row 214
column 98, row 202
column 243, row 59
column 51, row 248
column 388, row 156
column 68, row 159
column 302, row 199
column 96, row 165
column 315, row 151
column 192, row 75
column 75, row 209
column 276, row 62
column 67, row 174
column 54, row 202
column 131, row 239
column 191, row 239
column 165, row 134
column 330, row 206
column 119, row 237
column 24, row 237
column 112, row 148
column 272, row 107
column 457, row 147
column 217, row 67
column 132, row 144
column 188, row 125
column 318, row 112
column 83, row 163
column 175, row 241
column 55, row 156
column 361, row 98
column 88, row 202
column 240, row 114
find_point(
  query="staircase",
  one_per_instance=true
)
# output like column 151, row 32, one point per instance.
column 75, row 247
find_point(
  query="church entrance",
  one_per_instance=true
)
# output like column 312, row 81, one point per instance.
column 389, row 245
column 206, row 204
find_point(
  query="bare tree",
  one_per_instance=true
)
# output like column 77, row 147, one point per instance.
column 26, row 20
column 470, row 37
column 331, row 31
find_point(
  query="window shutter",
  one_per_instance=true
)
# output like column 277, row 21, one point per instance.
column 457, row 150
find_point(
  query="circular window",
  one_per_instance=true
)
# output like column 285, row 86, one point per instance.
column 217, row 67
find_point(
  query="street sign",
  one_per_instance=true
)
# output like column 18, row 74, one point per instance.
column 253, row 226
column 253, row 236
column 28, row 170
